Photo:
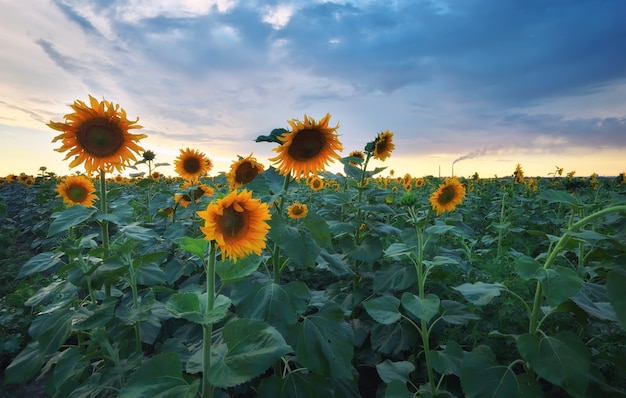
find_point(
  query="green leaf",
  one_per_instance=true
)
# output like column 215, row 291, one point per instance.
column 296, row 385
column 27, row 363
column 68, row 218
column 559, row 284
column 195, row 246
column 399, row 370
column 135, row 231
column 450, row 360
column 398, row 389
column 318, row 228
column 383, row 309
column 528, row 268
column 159, row 377
column 368, row 250
column 273, row 137
column 615, row 283
column 394, row 278
column 247, row 354
column 480, row 293
column 334, row 262
column 399, row 249
column 278, row 305
column 482, row 376
column 563, row 360
column 324, row 342
column 554, row 196
column 230, row 272
column 424, row 309
column 39, row 263
column 192, row 306
column 297, row 243
column 93, row 315
column 456, row 313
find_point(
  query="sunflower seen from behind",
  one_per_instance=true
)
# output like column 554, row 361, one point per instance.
column 448, row 195
column 237, row 223
column 77, row 190
column 243, row 171
column 192, row 164
column 97, row 135
column 308, row 148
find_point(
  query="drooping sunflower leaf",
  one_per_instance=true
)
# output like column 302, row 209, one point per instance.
column 69, row 218
column 159, row 377
column 615, row 282
column 39, row 263
column 480, row 293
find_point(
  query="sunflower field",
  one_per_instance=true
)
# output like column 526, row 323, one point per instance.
column 290, row 280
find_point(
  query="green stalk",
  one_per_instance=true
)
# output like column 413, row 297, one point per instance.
column 207, row 389
column 533, row 325
column 276, row 252
column 133, row 288
column 104, row 224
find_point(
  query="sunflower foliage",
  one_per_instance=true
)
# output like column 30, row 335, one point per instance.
column 271, row 282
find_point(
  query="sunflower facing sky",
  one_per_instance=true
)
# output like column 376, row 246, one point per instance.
column 191, row 164
column 448, row 195
column 77, row 190
column 383, row 145
column 97, row 135
column 243, row 171
column 237, row 224
column 308, row 148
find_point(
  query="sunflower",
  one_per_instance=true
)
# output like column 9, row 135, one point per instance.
column 191, row 164
column 358, row 155
column 243, row 171
column 518, row 174
column 308, row 148
column 316, row 183
column 383, row 145
column 419, row 182
column 156, row 176
column 448, row 196
column 77, row 190
column 197, row 192
column 97, row 135
column 237, row 224
column 297, row 210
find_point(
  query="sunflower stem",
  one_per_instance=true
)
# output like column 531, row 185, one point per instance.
column 279, row 209
column 207, row 389
column 104, row 224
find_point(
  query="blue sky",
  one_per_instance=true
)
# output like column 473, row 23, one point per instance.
column 485, row 84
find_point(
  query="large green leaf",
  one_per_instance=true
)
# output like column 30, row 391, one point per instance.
column 424, row 309
column 192, row 306
column 383, row 309
column 296, row 385
column 529, row 268
column 480, row 293
column 563, row 360
column 389, row 370
column 296, row 243
column 615, row 283
column 456, row 313
column 318, row 228
column 68, row 218
column 554, row 196
column 368, row 250
column 27, row 363
column 559, row 284
column 398, row 389
column 159, row 377
column 324, row 342
column 482, row 376
column 449, row 360
column 230, row 271
column 252, row 347
column 278, row 305
column 39, row 263
column 394, row 278
column 195, row 246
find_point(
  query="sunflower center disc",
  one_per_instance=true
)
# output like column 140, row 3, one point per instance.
column 447, row 195
column 77, row 194
column 192, row 165
column 245, row 173
column 232, row 222
column 101, row 138
column 306, row 145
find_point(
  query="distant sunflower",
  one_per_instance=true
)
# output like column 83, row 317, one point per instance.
column 448, row 195
column 198, row 191
column 308, row 148
column 356, row 154
column 119, row 179
column 316, row 184
column 97, row 135
column 419, row 182
column 156, row 176
column 191, row 164
column 243, row 171
column 383, row 145
column 237, row 224
column 297, row 210
column 77, row 190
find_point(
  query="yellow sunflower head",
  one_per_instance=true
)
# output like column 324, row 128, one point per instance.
column 383, row 145
column 448, row 195
column 77, row 190
column 237, row 223
column 97, row 135
column 192, row 193
column 308, row 148
column 356, row 154
column 419, row 182
column 191, row 164
column 316, row 183
column 297, row 210
column 243, row 171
